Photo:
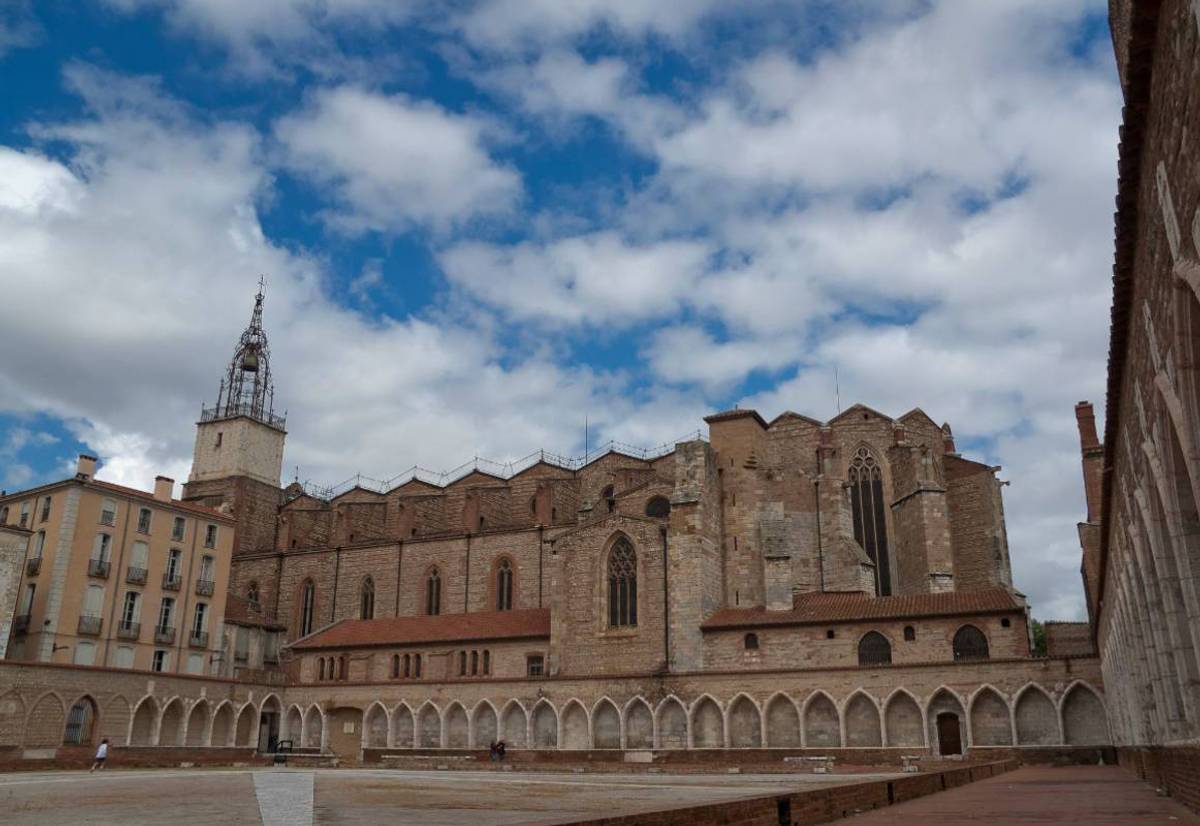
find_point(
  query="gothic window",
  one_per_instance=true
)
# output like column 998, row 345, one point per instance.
column 874, row 649
column 462, row 663
column 417, row 666
column 870, row 526
column 395, row 666
column 487, row 662
column 320, row 668
column 609, row 497
column 433, row 593
column 252, row 595
column 407, row 666
column 622, row 584
column 308, row 596
column 504, row 585
column 970, row 644
column 659, row 507
column 367, row 599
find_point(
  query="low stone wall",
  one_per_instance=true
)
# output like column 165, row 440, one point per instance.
column 1174, row 768
column 813, row 806
column 1049, row 755
column 125, row 757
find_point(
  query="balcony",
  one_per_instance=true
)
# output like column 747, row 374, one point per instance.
column 20, row 623
column 164, row 635
column 129, row 630
column 135, row 576
column 171, row 582
column 271, row 657
column 98, row 568
column 90, row 625
column 204, row 587
column 241, row 656
column 198, row 639
column 33, row 565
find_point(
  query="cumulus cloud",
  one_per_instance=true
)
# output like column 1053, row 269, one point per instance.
column 393, row 161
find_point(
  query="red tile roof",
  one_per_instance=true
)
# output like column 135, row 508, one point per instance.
column 842, row 606
column 483, row 625
column 174, row 503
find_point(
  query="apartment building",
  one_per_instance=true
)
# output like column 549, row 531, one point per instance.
column 119, row 577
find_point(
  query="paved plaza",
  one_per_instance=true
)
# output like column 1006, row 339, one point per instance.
column 249, row 797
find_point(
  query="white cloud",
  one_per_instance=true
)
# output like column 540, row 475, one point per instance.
column 392, row 161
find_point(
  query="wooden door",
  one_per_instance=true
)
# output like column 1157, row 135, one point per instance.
column 949, row 734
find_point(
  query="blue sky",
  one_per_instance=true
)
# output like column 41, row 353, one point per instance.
column 483, row 221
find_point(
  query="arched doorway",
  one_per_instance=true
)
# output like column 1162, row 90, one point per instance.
column 80, row 722
column 949, row 732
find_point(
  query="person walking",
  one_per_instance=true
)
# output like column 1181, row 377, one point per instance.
column 101, row 755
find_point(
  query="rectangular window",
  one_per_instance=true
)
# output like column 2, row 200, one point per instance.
column 39, row 544
column 165, row 611
column 210, row 536
column 159, row 662
column 124, row 658
column 46, row 508
column 206, row 568
column 27, row 599
column 173, row 559
column 199, row 619
column 93, row 602
column 140, row 556
column 535, row 665
column 178, row 528
column 108, row 512
column 24, row 515
column 143, row 525
column 129, row 611
column 102, row 547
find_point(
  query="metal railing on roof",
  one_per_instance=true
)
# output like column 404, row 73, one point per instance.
column 503, row 470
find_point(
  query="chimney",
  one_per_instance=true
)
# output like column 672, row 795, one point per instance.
column 1093, row 458
column 86, row 467
column 163, row 488
column 1085, row 417
column 948, row 439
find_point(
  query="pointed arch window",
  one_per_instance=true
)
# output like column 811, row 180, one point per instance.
column 870, row 523
column 308, row 596
column 970, row 644
column 622, row 584
column 874, row 649
column 433, row 593
column 504, row 585
column 367, row 599
column 252, row 595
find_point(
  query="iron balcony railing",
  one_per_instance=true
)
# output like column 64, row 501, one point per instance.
column 204, row 587
column 20, row 623
column 135, row 576
column 229, row 411
column 271, row 657
column 89, row 624
column 171, row 582
column 33, row 565
column 241, row 656
column 129, row 630
column 98, row 568
column 164, row 634
column 198, row 639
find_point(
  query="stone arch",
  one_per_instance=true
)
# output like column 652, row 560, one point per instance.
column 783, row 723
column 197, row 722
column 573, row 726
column 314, row 728
column 293, row 728
column 114, row 721
column 143, row 723
column 44, row 722
column 707, row 724
column 671, row 724
column 544, row 725
column 270, row 703
column 375, row 726
column 12, row 719
column 904, row 724
column 1084, row 720
column 222, row 725
column 945, row 701
column 744, row 723
column 245, row 728
column 606, row 725
column 429, row 726
column 485, row 725
column 862, row 721
column 638, row 724
column 1036, row 717
column 170, row 723
column 822, row 723
column 83, row 722
column 457, row 727
column 403, row 727
column 991, row 718
column 618, row 581
column 514, row 725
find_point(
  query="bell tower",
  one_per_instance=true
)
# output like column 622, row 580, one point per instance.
column 238, row 456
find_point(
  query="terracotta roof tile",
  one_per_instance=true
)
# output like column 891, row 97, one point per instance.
column 843, row 606
column 482, row 625
column 174, row 503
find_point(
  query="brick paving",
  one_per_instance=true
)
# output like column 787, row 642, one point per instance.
column 1094, row 795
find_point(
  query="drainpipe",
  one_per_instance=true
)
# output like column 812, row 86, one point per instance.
column 337, row 568
column 666, row 603
column 467, row 584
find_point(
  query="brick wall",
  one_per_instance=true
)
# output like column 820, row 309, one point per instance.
column 1176, row 769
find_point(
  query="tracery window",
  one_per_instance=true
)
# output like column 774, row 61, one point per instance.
column 433, row 593
column 870, row 524
column 970, row 644
column 622, row 584
column 367, row 599
column 874, row 649
column 504, row 585
column 308, row 595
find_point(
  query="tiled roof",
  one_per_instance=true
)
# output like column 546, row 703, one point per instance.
column 849, row 606
column 727, row 415
column 149, row 497
column 239, row 611
column 483, row 625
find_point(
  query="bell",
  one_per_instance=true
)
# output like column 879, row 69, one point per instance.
column 250, row 362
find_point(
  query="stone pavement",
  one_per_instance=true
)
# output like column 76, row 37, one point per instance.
column 1094, row 795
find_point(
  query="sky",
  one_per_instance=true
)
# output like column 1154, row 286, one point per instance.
column 484, row 222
